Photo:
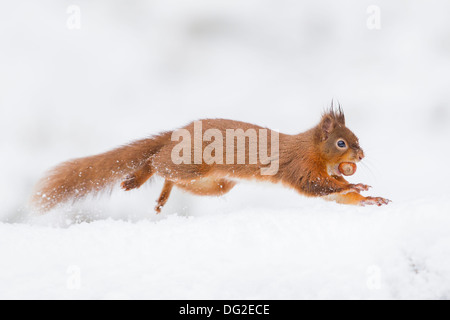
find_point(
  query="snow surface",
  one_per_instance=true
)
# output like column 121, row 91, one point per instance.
column 137, row 69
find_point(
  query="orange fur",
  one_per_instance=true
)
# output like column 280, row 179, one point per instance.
column 165, row 194
column 77, row 178
column 308, row 163
column 207, row 186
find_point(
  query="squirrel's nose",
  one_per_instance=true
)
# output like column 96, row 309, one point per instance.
column 360, row 155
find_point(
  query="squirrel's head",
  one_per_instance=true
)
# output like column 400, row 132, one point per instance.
column 337, row 143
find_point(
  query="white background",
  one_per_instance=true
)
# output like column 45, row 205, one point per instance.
column 136, row 68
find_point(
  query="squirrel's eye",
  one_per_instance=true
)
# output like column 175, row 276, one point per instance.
column 341, row 144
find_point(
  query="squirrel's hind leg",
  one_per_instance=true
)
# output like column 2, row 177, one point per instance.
column 203, row 187
column 165, row 194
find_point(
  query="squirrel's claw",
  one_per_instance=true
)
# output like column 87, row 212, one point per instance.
column 378, row 201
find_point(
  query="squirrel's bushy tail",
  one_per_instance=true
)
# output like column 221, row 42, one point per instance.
column 77, row 178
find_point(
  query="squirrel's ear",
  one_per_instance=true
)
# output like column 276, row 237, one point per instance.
column 327, row 125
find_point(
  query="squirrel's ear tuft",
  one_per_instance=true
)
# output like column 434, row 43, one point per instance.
column 339, row 115
column 336, row 113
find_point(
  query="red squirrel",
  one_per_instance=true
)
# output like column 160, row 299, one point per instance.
column 307, row 162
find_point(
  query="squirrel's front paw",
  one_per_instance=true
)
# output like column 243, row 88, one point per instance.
column 130, row 183
column 378, row 201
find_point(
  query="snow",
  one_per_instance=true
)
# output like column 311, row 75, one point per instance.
column 308, row 251
column 132, row 71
